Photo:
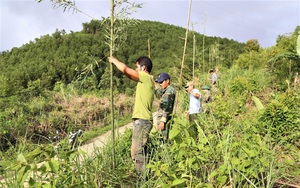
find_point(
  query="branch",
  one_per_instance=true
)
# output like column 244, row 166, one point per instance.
column 66, row 4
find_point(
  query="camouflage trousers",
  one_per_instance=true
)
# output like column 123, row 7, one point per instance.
column 140, row 138
column 193, row 126
column 166, row 130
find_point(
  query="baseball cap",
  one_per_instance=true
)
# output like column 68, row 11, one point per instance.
column 189, row 84
column 205, row 87
column 163, row 76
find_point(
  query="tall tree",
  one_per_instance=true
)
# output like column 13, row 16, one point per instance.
column 252, row 45
column 289, row 48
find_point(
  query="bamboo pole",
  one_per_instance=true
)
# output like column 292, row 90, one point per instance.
column 185, row 42
column 149, row 49
column 112, row 10
column 183, row 56
column 203, row 42
column 194, row 52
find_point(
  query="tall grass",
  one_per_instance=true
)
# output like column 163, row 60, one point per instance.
column 235, row 155
column 218, row 158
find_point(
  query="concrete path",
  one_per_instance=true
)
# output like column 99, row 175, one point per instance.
column 101, row 140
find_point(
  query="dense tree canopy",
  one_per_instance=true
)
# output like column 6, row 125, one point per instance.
column 77, row 56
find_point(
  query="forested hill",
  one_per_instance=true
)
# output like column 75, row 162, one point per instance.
column 81, row 56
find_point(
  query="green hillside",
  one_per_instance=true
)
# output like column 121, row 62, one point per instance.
column 81, row 56
column 40, row 69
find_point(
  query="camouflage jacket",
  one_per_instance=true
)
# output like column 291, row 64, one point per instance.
column 206, row 98
column 166, row 103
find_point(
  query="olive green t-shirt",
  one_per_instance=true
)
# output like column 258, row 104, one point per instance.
column 144, row 97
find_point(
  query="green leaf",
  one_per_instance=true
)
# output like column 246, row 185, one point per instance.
column 33, row 183
column 203, row 140
column 177, row 182
column 223, row 168
column 191, row 161
column 22, row 174
column 34, row 153
column 157, row 173
column 202, row 159
column 21, row 158
column 213, row 174
column 222, row 180
column 257, row 102
column 249, row 152
column 173, row 133
column 235, row 161
column 54, row 165
column 48, row 185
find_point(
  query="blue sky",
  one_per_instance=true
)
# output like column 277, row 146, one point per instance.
column 240, row 20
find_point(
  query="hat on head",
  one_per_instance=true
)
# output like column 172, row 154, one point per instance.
column 163, row 76
column 189, row 84
column 205, row 87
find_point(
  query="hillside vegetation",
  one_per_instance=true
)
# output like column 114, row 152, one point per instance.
column 81, row 56
column 249, row 136
column 38, row 70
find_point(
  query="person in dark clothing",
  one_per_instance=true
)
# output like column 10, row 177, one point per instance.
column 166, row 93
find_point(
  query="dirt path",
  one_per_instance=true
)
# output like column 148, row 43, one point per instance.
column 101, row 140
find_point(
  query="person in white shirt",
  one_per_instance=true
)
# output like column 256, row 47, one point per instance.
column 194, row 106
column 214, row 78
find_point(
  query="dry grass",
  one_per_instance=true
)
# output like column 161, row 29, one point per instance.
column 81, row 112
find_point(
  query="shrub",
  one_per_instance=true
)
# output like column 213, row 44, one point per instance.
column 281, row 119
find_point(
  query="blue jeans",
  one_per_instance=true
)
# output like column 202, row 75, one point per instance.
column 140, row 137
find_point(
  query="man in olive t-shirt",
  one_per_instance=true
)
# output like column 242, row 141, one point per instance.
column 144, row 97
column 142, row 115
